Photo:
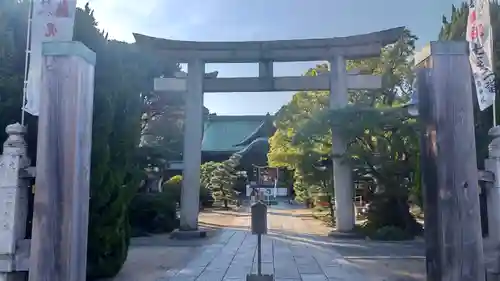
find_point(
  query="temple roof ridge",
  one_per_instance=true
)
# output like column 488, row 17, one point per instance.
column 260, row 132
column 226, row 133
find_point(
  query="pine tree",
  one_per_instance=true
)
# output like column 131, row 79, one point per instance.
column 223, row 180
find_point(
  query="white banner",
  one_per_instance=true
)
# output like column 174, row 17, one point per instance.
column 480, row 37
column 52, row 20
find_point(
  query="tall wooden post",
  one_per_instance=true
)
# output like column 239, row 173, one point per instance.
column 60, row 220
column 451, row 193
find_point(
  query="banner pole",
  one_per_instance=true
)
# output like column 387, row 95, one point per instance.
column 493, row 69
column 26, row 59
column 494, row 112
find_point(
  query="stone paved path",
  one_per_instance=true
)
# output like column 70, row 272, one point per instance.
column 289, row 252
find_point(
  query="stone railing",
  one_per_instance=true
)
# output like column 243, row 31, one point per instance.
column 15, row 172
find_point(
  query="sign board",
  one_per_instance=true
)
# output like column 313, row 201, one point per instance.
column 259, row 218
column 52, row 20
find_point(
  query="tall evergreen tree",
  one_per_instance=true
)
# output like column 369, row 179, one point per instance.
column 223, row 180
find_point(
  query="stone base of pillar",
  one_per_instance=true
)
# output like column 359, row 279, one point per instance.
column 13, row 276
column 188, row 234
column 346, row 235
column 490, row 276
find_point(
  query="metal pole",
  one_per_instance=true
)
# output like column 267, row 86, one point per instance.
column 494, row 114
column 26, row 59
column 259, row 254
column 493, row 69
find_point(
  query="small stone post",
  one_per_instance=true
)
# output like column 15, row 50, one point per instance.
column 61, row 206
column 492, row 164
column 14, row 199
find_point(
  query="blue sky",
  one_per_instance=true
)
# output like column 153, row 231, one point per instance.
column 240, row 20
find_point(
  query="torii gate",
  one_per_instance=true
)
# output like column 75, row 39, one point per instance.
column 338, row 81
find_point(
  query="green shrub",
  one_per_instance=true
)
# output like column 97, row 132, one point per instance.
column 173, row 188
column 152, row 213
column 241, row 184
column 175, row 180
column 391, row 233
column 206, row 199
column 386, row 210
column 109, row 236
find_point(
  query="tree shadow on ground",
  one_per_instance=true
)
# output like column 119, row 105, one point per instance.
column 398, row 261
column 221, row 226
column 289, row 215
column 234, row 213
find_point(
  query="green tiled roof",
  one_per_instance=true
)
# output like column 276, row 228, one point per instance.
column 222, row 133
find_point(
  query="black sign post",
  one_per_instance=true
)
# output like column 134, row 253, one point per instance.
column 259, row 227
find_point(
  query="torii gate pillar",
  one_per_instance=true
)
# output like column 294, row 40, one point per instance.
column 193, row 134
column 342, row 172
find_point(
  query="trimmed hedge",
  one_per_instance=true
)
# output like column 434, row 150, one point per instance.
column 173, row 187
column 152, row 213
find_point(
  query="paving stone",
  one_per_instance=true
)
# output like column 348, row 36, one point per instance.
column 233, row 256
column 190, row 271
column 238, row 272
column 344, row 273
column 305, row 260
column 313, row 277
column 181, row 278
column 309, row 269
column 284, row 272
column 267, row 268
column 210, row 275
column 171, row 273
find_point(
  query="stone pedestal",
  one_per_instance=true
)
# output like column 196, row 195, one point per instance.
column 180, row 234
column 342, row 172
column 14, row 200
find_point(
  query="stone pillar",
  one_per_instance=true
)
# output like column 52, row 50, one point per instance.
column 492, row 164
column 14, row 196
column 193, row 133
column 342, row 172
column 61, row 205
